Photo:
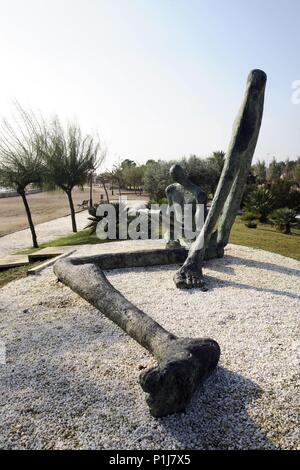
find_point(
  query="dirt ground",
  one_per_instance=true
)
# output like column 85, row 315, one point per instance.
column 45, row 206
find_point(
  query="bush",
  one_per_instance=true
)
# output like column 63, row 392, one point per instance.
column 260, row 201
column 203, row 172
column 160, row 201
column 280, row 191
column 95, row 219
column 284, row 219
column 157, row 178
column 293, row 201
column 251, row 219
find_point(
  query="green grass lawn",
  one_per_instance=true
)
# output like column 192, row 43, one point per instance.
column 264, row 237
column 84, row 237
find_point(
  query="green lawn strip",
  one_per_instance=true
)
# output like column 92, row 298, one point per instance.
column 83, row 237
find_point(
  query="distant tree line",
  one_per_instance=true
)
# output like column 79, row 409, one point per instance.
column 269, row 188
column 153, row 176
column 282, row 179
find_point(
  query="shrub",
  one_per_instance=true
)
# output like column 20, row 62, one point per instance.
column 251, row 219
column 203, row 172
column 157, row 178
column 284, row 219
column 293, row 201
column 95, row 218
column 160, row 201
column 260, row 201
column 280, row 191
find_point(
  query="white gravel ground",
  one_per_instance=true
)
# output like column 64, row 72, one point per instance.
column 45, row 232
column 71, row 378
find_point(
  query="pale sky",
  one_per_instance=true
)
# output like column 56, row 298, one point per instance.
column 155, row 78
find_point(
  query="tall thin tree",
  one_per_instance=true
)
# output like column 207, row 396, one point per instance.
column 21, row 157
column 69, row 159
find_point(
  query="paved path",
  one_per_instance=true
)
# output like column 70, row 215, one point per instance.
column 47, row 231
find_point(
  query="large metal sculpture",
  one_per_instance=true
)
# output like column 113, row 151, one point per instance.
column 182, row 362
column 215, row 233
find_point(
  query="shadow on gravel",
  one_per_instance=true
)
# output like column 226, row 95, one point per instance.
column 228, row 263
column 60, row 391
column 217, row 416
column 221, row 266
column 215, row 283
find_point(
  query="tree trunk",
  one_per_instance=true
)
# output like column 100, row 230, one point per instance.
column 69, row 194
column 28, row 213
column 91, row 191
column 119, row 186
column 106, row 193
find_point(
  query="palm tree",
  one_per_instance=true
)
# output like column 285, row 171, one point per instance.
column 121, row 212
column 260, row 201
column 259, row 170
column 21, row 157
column 284, row 219
column 69, row 159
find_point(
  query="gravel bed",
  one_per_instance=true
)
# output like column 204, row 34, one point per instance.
column 71, row 377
